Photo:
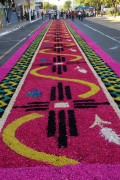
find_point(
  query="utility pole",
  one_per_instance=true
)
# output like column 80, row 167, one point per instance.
column 1, row 13
column 29, row 10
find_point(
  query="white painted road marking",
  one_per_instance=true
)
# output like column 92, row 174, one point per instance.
column 102, row 33
column 115, row 47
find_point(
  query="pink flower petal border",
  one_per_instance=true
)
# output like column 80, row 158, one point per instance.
column 76, row 172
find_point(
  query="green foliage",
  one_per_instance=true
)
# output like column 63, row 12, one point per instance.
column 78, row 2
column 67, row 5
column 46, row 5
column 52, row 6
column 96, row 3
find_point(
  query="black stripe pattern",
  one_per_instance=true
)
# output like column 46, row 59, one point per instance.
column 34, row 106
column 59, row 65
column 61, row 92
column 88, row 104
column 61, row 124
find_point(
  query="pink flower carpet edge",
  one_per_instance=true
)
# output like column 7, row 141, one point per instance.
column 15, row 57
column 81, row 171
column 115, row 66
column 67, row 172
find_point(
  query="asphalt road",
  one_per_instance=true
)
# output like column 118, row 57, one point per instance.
column 107, row 38
column 9, row 43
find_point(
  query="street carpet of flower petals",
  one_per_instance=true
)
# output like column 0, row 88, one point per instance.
column 60, row 108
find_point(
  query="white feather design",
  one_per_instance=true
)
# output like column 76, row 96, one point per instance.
column 110, row 135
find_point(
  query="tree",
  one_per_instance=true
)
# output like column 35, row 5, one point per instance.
column 46, row 5
column 98, row 3
column 67, row 5
column 78, row 2
column 52, row 6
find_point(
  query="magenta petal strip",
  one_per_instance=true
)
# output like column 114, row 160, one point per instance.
column 77, row 172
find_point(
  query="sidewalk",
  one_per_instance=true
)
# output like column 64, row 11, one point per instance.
column 109, row 21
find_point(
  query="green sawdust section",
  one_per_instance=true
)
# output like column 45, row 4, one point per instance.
column 107, row 75
column 11, row 81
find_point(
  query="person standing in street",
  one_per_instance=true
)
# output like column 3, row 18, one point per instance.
column 42, row 14
column 79, row 15
column 83, row 14
column 55, row 15
column 19, row 15
column 73, row 15
column 38, row 14
column 58, row 14
column 64, row 15
column 49, row 14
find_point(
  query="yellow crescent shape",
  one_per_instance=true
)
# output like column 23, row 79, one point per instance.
column 93, row 88
column 43, row 51
column 12, row 142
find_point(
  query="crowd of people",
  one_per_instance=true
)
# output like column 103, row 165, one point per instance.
column 67, row 14
column 56, row 14
column 33, row 15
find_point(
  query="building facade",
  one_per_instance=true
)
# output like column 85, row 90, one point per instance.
column 16, row 10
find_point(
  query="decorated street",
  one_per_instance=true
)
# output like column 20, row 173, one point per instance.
column 59, row 108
